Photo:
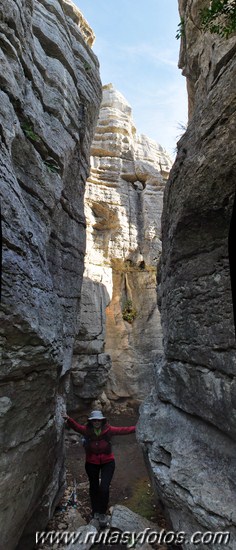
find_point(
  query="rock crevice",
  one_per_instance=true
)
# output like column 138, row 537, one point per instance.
column 192, row 410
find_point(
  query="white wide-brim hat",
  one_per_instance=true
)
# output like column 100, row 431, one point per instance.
column 96, row 415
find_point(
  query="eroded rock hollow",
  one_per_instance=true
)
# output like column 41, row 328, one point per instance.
column 119, row 334
column 187, row 425
column 49, row 100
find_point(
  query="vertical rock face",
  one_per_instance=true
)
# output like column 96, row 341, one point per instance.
column 188, row 424
column 49, row 99
column 123, row 205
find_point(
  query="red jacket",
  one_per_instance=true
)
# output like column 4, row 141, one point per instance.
column 108, row 431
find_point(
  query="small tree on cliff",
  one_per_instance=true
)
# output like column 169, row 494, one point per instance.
column 220, row 17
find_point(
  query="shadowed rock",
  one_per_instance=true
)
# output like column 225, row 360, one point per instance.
column 188, row 423
column 49, row 101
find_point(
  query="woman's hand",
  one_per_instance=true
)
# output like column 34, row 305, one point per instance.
column 65, row 416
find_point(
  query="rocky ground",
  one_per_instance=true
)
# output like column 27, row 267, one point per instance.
column 130, row 485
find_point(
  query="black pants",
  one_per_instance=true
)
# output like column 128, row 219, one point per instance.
column 99, row 491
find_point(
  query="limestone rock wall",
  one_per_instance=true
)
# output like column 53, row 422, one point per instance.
column 123, row 205
column 187, row 425
column 49, row 100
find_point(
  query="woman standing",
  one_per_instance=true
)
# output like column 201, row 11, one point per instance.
column 100, row 460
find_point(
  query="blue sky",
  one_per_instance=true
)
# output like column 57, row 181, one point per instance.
column 138, row 53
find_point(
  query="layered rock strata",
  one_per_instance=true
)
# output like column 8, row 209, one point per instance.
column 187, row 425
column 123, row 205
column 50, row 95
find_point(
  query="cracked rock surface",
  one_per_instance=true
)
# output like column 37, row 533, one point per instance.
column 123, row 205
column 49, row 100
column 187, row 425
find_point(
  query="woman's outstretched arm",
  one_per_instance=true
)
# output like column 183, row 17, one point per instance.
column 120, row 430
column 74, row 425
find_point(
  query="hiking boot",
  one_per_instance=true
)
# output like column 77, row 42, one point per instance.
column 103, row 520
column 95, row 523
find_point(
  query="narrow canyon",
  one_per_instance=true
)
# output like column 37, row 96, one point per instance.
column 116, row 288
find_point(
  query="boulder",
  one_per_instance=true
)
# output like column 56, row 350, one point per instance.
column 141, row 529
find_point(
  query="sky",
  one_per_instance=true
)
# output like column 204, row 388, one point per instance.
column 138, row 52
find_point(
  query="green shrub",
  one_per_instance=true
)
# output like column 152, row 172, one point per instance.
column 180, row 29
column 29, row 132
column 52, row 166
column 87, row 66
column 220, row 17
column 129, row 312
